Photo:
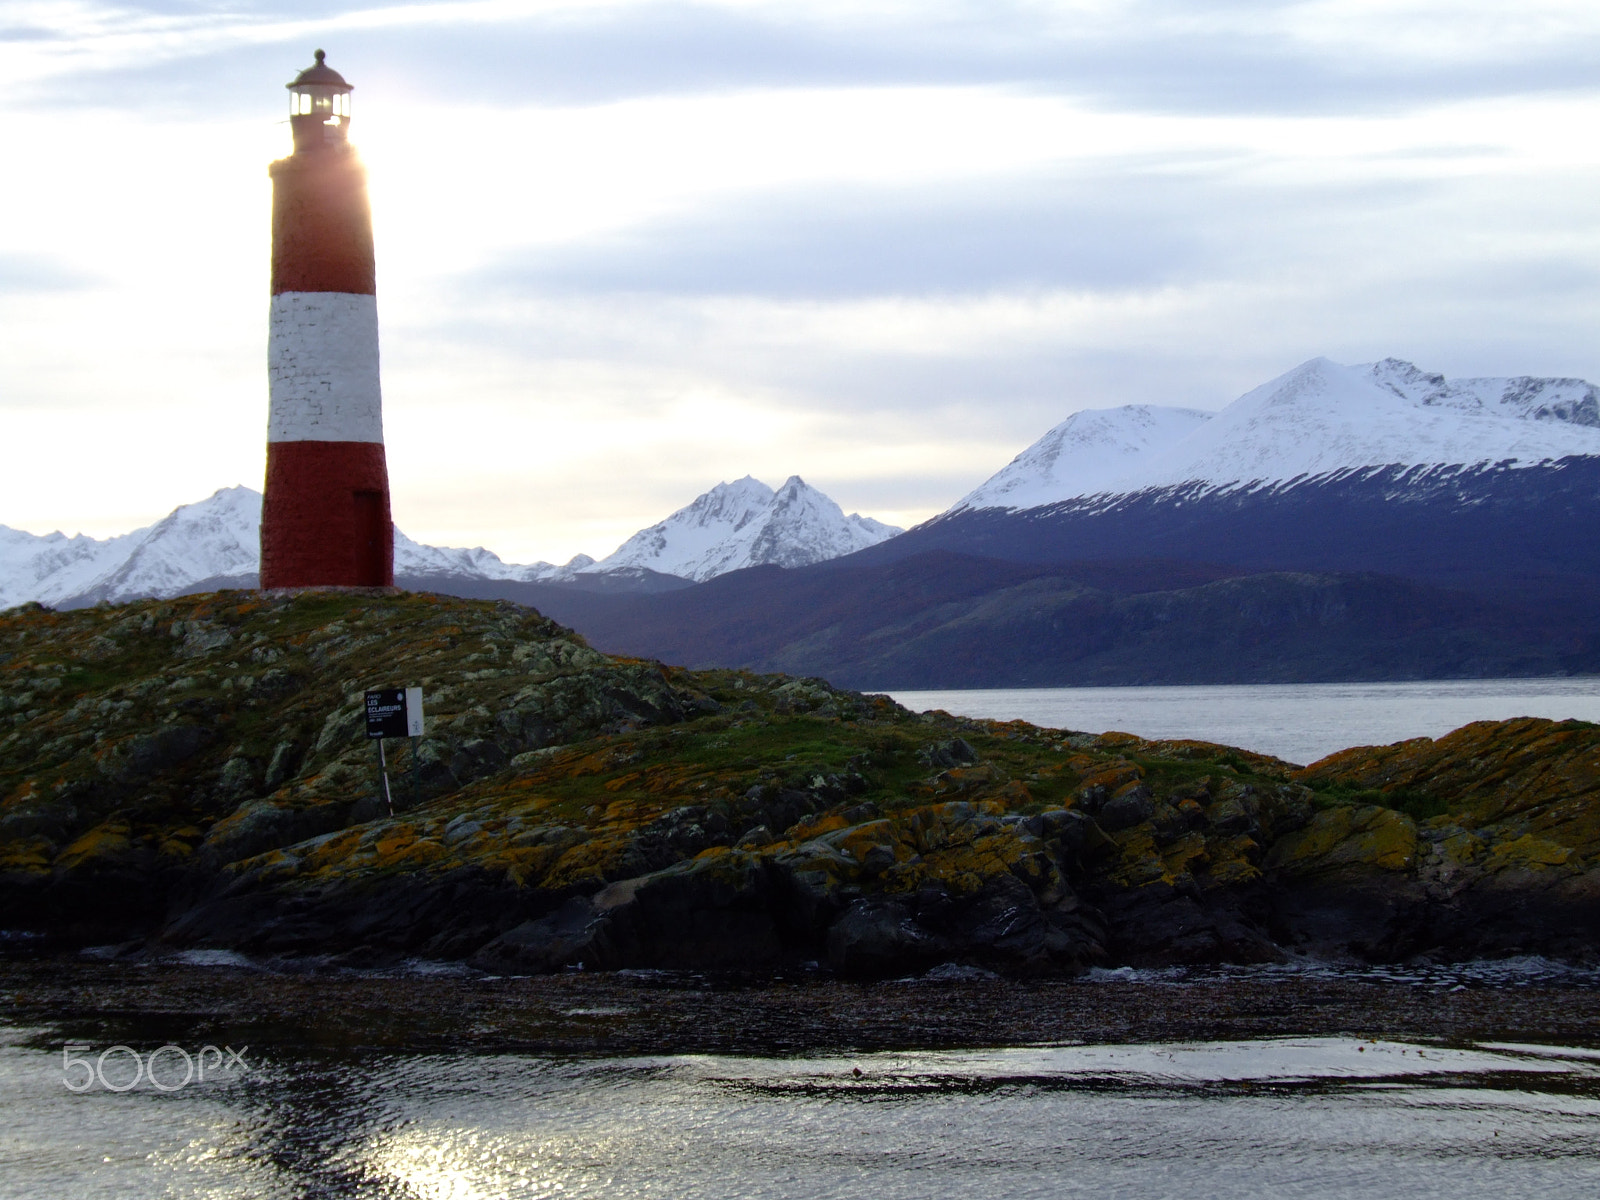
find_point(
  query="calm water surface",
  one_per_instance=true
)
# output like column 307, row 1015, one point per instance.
column 1324, row 1117
column 1300, row 722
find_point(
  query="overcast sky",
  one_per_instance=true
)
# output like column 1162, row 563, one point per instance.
column 627, row 250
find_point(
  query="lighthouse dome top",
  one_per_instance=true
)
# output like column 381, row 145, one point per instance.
column 319, row 107
column 319, row 73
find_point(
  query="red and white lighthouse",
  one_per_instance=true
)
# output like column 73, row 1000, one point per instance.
column 325, row 519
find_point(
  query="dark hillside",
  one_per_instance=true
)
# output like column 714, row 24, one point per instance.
column 1525, row 535
column 942, row 619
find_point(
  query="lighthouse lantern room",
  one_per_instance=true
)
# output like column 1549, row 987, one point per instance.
column 319, row 105
column 325, row 514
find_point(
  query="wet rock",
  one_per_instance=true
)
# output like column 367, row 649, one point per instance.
column 1078, row 841
column 1130, row 807
column 1162, row 925
column 239, row 777
column 276, row 684
column 53, row 820
column 956, row 752
column 475, row 759
column 281, row 768
column 754, row 838
column 564, row 938
column 877, row 938
column 145, row 755
column 1003, row 926
column 261, row 825
column 1236, row 813
column 341, row 729
column 714, row 911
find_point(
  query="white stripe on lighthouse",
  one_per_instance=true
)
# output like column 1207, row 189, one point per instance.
column 322, row 367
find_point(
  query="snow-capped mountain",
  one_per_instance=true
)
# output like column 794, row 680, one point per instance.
column 53, row 567
column 222, row 533
column 413, row 559
column 216, row 542
column 1316, row 420
column 747, row 524
column 216, row 539
column 1485, row 486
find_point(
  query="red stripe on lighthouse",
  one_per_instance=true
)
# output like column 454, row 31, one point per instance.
column 322, row 224
column 325, row 516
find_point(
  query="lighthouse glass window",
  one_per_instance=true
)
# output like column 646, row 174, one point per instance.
column 332, row 107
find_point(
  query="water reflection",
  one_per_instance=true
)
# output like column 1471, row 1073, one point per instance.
column 1275, row 1117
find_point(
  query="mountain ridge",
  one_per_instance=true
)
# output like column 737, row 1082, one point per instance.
column 949, row 619
column 215, row 542
column 1350, row 552
column 1314, row 421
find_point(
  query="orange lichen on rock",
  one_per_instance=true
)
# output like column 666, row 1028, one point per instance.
column 1343, row 837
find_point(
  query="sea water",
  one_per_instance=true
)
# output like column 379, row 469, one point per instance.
column 1331, row 1117
column 1300, row 722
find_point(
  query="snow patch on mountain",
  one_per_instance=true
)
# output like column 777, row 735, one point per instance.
column 747, row 524
column 412, row 559
column 1091, row 451
column 1317, row 419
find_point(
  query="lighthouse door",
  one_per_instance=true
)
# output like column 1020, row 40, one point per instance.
column 369, row 539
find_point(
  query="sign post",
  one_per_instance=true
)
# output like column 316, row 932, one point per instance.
column 383, row 772
column 396, row 712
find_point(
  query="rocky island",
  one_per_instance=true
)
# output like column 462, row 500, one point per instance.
column 194, row 773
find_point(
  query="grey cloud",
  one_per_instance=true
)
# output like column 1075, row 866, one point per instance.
column 1126, row 227
column 1140, row 63
column 852, row 243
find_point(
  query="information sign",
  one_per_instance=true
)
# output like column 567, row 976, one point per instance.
column 394, row 712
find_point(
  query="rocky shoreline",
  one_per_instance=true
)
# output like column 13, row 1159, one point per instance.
column 192, row 773
column 631, row 1012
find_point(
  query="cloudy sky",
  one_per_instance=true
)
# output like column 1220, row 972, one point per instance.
column 629, row 249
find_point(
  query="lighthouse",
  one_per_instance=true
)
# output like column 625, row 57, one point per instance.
column 325, row 518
